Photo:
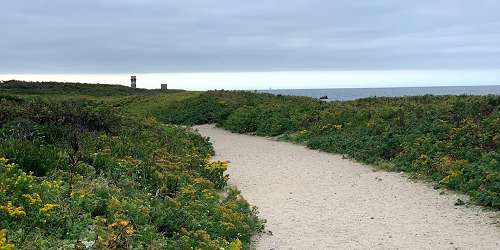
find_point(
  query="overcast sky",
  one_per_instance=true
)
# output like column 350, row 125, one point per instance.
column 172, row 36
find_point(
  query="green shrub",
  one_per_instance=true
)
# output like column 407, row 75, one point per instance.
column 197, row 110
column 242, row 120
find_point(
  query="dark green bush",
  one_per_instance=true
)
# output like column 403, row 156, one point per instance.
column 199, row 110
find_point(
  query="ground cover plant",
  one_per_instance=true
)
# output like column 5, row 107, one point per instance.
column 92, row 173
column 452, row 140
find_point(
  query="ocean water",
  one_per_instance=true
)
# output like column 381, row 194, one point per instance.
column 356, row 93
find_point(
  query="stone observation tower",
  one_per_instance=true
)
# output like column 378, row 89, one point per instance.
column 133, row 82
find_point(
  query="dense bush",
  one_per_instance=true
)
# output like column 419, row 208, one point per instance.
column 209, row 107
column 81, row 174
column 453, row 140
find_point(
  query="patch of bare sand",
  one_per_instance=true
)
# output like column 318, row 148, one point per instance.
column 316, row 200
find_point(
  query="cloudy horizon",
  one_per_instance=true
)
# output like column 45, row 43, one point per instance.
column 441, row 39
column 282, row 79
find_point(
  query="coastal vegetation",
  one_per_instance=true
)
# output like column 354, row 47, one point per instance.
column 451, row 140
column 89, row 166
column 100, row 166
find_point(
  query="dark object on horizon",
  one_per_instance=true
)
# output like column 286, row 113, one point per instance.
column 164, row 86
column 133, row 82
column 325, row 97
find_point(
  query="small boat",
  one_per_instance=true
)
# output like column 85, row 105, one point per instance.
column 325, row 97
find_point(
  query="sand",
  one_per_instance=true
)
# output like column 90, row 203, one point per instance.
column 316, row 200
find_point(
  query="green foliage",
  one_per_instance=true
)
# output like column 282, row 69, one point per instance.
column 208, row 107
column 453, row 140
column 204, row 109
column 80, row 173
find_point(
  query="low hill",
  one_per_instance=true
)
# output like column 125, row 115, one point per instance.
column 29, row 87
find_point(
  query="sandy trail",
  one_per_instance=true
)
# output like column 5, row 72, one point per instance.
column 315, row 200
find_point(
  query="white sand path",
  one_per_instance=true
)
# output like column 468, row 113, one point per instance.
column 316, row 200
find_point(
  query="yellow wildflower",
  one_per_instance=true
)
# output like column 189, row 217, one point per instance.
column 3, row 241
column 122, row 223
column 424, row 159
column 236, row 245
column 33, row 199
column 47, row 208
column 3, row 163
column 124, row 227
column 12, row 210
column 129, row 231
column 19, row 211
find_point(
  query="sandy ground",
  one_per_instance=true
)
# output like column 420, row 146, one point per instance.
column 315, row 200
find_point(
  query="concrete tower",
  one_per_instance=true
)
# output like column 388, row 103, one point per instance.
column 133, row 82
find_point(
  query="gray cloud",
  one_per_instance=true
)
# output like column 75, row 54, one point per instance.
column 61, row 36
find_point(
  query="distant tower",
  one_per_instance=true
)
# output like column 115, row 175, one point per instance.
column 133, row 82
column 164, row 86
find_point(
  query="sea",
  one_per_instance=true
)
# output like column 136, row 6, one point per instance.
column 344, row 94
